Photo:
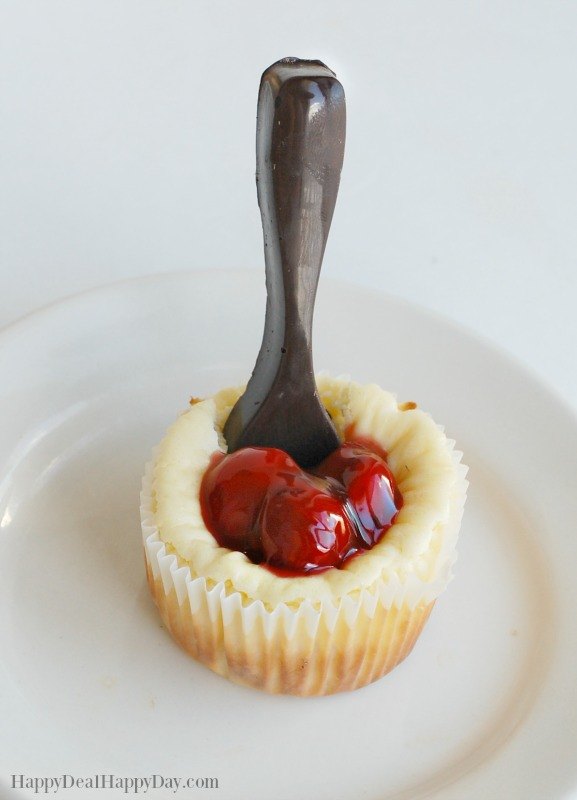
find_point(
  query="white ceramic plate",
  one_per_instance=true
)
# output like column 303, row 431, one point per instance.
column 90, row 682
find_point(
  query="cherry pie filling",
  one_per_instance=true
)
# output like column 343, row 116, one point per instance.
column 258, row 501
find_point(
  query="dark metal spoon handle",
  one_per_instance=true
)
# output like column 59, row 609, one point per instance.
column 300, row 148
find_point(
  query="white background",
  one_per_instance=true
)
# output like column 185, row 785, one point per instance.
column 127, row 147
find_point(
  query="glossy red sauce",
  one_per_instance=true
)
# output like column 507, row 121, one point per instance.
column 259, row 501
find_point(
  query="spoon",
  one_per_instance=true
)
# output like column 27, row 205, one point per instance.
column 299, row 151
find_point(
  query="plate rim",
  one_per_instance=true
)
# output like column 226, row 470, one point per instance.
column 14, row 327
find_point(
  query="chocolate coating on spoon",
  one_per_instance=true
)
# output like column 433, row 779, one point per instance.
column 301, row 122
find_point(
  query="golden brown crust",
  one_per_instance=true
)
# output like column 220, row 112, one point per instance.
column 329, row 661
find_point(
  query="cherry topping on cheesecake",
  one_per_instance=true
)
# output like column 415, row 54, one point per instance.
column 370, row 487
column 233, row 489
column 259, row 501
column 305, row 529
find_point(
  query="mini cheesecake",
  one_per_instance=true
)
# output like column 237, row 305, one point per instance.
column 326, row 630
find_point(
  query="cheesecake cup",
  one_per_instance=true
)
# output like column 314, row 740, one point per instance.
column 319, row 633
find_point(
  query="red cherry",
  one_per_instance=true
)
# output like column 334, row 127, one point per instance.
column 304, row 529
column 373, row 496
column 375, row 501
column 346, row 462
column 233, row 490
